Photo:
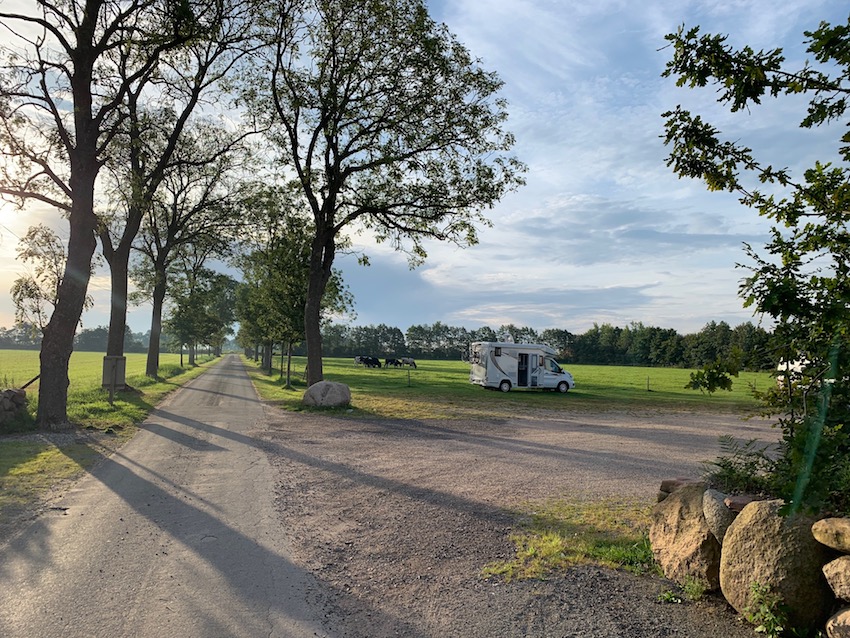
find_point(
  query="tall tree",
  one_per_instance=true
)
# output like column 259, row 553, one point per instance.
column 803, row 283
column 203, row 307
column 195, row 207
column 388, row 123
column 274, row 267
column 61, row 95
column 157, row 109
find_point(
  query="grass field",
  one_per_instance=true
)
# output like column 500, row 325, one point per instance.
column 442, row 389
column 88, row 403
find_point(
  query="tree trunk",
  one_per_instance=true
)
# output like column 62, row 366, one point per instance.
column 288, row 365
column 58, row 341
column 321, row 260
column 118, row 269
column 192, row 349
column 267, row 357
column 152, row 368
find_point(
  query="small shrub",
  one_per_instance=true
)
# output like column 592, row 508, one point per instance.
column 741, row 468
column 669, row 596
column 767, row 611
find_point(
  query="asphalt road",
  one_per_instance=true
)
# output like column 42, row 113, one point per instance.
column 174, row 535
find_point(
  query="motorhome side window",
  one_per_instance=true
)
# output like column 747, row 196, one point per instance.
column 498, row 352
column 552, row 366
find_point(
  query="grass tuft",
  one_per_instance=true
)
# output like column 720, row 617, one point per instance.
column 559, row 534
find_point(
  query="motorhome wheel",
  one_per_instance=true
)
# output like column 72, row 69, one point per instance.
column 563, row 387
column 505, row 386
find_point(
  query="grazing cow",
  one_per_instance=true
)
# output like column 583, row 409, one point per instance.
column 408, row 361
column 358, row 361
column 392, row 362
column 371, row 362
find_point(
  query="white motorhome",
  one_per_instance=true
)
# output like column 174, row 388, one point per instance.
column 496, row 364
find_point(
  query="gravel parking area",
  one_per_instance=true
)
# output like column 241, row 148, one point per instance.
column 396, row 519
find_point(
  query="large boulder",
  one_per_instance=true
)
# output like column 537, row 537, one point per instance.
column 837, row 574
column 834, row 533
column 681, row 541
column 718, row 516
column 327, row 394
column 779, row 553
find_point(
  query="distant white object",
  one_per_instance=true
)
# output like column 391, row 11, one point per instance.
column 504, row 365
column 792, row 369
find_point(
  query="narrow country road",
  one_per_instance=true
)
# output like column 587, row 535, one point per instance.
column 174, row 535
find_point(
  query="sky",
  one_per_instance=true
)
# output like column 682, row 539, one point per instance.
column 603, row 231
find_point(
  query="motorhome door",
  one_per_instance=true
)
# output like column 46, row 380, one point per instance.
column 522, row 370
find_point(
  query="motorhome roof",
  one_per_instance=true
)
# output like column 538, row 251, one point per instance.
column 519, row 346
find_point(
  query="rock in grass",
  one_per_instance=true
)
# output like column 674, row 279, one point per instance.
column 327, row 394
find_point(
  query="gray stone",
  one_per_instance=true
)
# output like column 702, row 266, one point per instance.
column 834, row 533
column 839, row 625
column 718, row 517
column 681, row 541
column 327, row 394
column 837, row 574
column 780, row 553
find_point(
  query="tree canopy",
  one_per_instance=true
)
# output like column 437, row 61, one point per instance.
column 800, row 278
column 68, row 67
column 388, row 124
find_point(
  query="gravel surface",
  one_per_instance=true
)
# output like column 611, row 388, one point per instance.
column 397, row 519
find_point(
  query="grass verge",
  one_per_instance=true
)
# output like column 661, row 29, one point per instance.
column 34, row 465
column 558, row 534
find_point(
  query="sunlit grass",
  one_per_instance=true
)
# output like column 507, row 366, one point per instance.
column 28, row 469
column 441, row 389
column 556, row 535
column 88, row 403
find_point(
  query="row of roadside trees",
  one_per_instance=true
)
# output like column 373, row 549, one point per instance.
column 148, row 126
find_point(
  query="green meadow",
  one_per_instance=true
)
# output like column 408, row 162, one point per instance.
column 88, row 403
column 441, row 389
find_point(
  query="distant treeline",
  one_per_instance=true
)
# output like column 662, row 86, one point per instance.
column 23, row 336
column 635, row 344
column 27, row 337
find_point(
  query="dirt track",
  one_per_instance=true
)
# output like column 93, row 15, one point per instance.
column 396, row 519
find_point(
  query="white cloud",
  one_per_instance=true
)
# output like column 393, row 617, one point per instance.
column 603, row 231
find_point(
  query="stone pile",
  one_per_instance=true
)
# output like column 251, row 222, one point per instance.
column 731, row 543
column 835, row 534
column 12, row 403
